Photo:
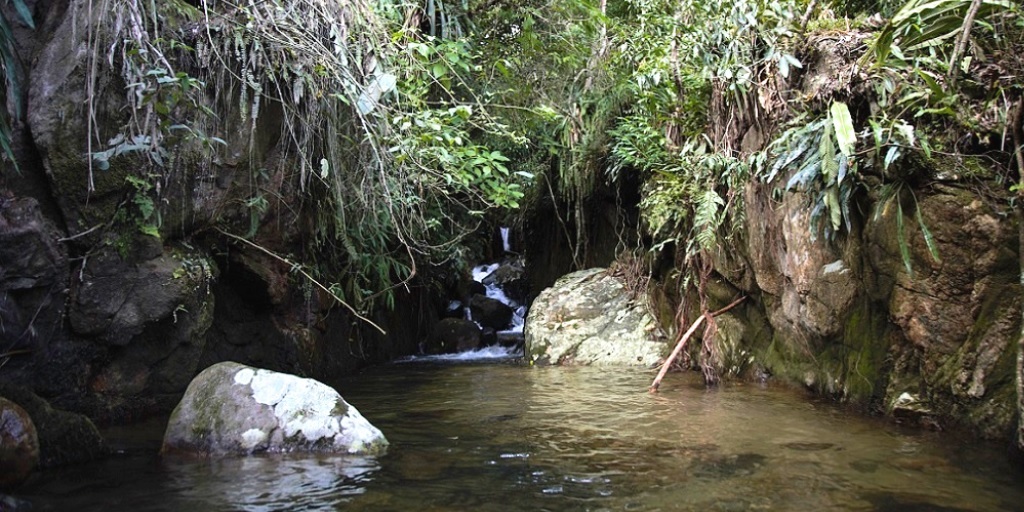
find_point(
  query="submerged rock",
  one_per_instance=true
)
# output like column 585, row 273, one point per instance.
column 588, row 317
column 19, row 444
column 909, row 408
column 233, row 409
column 64, row 437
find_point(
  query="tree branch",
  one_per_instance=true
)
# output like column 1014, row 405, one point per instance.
column 299, row 269
column 686, row 337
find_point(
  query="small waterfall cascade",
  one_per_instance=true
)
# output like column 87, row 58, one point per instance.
column 481, row 273
column 495, row 300
column 505, row 245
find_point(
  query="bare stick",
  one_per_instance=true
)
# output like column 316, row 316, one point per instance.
column 684, row 339
column 1018, row 137
column 961, row 44
column 298, row 268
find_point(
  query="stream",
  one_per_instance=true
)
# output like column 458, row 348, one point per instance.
column 484, row 432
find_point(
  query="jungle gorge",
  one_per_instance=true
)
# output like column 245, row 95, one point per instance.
column 303, row 186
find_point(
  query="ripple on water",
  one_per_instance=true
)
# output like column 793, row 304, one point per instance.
column 501, row 437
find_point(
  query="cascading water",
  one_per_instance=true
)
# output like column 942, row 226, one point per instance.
column 505, row 245
column 487, row 317
column 494, row 291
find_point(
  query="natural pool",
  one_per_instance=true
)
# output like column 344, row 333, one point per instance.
column 497, row 435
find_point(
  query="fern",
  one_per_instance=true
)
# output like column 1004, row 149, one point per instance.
column 707, row 218
column 820, row 155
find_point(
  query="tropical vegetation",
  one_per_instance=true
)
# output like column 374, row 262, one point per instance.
column 408, row 123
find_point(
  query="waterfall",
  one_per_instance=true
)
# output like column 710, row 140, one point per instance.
column 505, row 245
column 494, row 291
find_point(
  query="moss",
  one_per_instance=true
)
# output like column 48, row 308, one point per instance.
column 783, row 362
column 851, row 368
column 993, row 414
column 954, row 167
column 340, row 408
column 661, row 305
column 865, row 341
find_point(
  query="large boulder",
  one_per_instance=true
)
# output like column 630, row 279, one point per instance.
column 588, row 317
column 454, row 335
column 19, row 444
column 490, row 312
column 233, row 409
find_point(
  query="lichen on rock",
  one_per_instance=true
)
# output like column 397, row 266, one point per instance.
column 588, row 317
column 233, row 409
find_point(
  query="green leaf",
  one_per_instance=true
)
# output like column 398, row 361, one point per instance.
column 929, row 239
column 24, row 13
column 149, row 229
column 901, row 237
column 891, row 156
column 827, row 150
column 846, row 135
column 834, row 211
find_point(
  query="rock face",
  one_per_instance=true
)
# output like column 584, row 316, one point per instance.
column 233, row 409
column 587, row 317
column 19, row 444
column 114, row 288
column 847, row 318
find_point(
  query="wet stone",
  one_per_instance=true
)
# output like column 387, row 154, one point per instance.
column 865, row 466
column 19, row 444
column 808, row 447
column 727, row 466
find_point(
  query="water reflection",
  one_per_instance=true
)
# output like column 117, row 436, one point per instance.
column 514, row 438
column 267, row 483
column 139, row 481
column 501, row 437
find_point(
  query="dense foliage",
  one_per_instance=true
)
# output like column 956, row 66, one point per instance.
column 405, row 122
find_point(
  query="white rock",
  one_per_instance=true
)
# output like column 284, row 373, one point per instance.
column 230, row 408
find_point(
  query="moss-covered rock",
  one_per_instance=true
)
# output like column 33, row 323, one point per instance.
column 64, row 437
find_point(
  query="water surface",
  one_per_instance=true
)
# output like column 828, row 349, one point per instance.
column 501, row 436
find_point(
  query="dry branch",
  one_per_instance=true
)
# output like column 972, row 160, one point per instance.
column 305, row 274
column 686, row 337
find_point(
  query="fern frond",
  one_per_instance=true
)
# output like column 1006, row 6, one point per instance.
column 707, row 217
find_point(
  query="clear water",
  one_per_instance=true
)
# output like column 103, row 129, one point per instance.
column 495, row 435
